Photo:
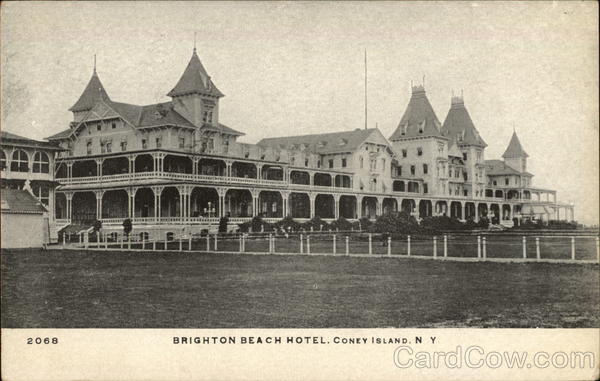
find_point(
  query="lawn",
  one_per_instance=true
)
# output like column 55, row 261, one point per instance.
column 112, row 289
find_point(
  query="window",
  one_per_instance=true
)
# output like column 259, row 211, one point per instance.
column 20, row 162
column 211, row 143
column 478, row 155
column 293, row 161
column 99, row 127
column 144, row 143
column 495, row 182
column 181, row 142
column 114, row 125
column 419, row 151
column 383, row 164
column 2, row 160
column 42, row 193
column 506, row 181
column 399, row 170
column 404, row 153
column 306, row 162
column 425, row 188
column 425, row 169
column 158, row 142
column 124, row 145
column 344, row 162
column 108, row 146
column 318, row 163
column 330, row 163
column 41, row 163
column 412, row 169
column 464, row 156
column 465, row 192
column 89, row 148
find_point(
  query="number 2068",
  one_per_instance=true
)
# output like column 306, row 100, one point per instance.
column 42, row 340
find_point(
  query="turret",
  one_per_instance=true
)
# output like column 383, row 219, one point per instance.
column 93, row 93
column 195, row 96
column 515, row 156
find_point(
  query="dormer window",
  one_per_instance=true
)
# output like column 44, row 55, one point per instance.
column 419, row 151
column 306, row 162
column 422, row 127
column 404, row 128
column 89, row 147
column 404, row 153
column 343, row 142
column 98, row 127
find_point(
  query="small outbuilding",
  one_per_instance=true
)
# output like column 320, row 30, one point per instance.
column 24, row 220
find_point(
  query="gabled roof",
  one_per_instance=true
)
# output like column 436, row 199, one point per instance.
column 334, row 142
column 195, row 79
column 514, row 149
column 419, row 116
column 7, row 138
column 458, row 124
column 94, row 91
column 453, row 149
column 20, row 201
column 500, row 168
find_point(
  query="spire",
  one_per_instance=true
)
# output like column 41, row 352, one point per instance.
column 195, row 80
column 459, row 125
column 514, row 149
column 194, row 42
column 419, row 119
column 93, row 92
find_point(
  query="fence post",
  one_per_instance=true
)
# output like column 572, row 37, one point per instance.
column 334, row 245
column 154, row 245
column 370, row 244
column 537, row 248
column 207, row 242
column 434, row 246
column 274, row 240
column 128, row 243
column 347, row 246
column 484, row 247
column 216, row 242
column 190, row 242
column 389, row 246
column 478, row 246
column 106, row 241
column 121, row 242
column 307, row 244
column 301, row 244
column 524, row 247
column 64, row 239
column 243, row 242
column 143, row 243
column 597, row 249
column 573, row 248
column 445, row 246
column 166, row 242
column 87, row 240
column 240, row 250
column 180, row 244
column 408, row 245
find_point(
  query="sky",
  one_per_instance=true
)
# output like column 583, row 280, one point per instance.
column 294, row 68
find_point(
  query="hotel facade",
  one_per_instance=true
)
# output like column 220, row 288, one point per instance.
column 173, row 166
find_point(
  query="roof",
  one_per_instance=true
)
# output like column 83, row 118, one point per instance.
column 8, row 138
column 453, row 149
column 94, row 91
column 334, row 142
column 195, row 79
column 20, row 201
column 458, row 124
column 419, row 116
column 500, row 168
column 514, row 149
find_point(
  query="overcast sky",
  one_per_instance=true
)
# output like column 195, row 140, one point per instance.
column 291, row 68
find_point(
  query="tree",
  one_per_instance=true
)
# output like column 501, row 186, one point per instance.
column 127, row 226
column 396, row 222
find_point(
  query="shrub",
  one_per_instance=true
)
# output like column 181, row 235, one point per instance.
column 441, row 223
column 483, row 223
column 223, row 224
column 97, row 225
column 395, row 222
column 316, row 224
column 127, row 226
column 364, row 223
column 341, row 224
column 287, row 224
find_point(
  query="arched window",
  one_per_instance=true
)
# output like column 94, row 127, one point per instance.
column 41, row 163
column 2, row 160
column 42, row 193
column 20, row 161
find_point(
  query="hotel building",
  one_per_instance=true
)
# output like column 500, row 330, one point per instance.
column 174, row 165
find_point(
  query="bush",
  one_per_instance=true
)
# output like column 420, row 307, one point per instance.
column 287, row 224
column 97, row 225
column 223, row 224
column 127, row 226
column 395, row 222
column 364, row 223
column 316, row 224
column 483, row 223
column 341, row 224
column 441, row 223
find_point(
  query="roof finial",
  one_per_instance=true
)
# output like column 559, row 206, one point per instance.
column 195, row 42
column 94, row 63
column 423, row 80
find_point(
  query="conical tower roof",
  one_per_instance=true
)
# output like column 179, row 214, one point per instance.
column 514, row 149
column 195, row 80
column 94, row 92
column 419, row 119
column 458, row 125
column 453, row 149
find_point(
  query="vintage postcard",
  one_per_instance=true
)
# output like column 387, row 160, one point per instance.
column 299, row 190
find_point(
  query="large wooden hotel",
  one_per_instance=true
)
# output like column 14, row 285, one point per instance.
column 173, row 166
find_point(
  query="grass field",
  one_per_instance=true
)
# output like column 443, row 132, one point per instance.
column 111, row 289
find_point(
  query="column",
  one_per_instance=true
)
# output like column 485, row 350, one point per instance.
column 359, row 209
column 336, row 200
column 285, row 196
column 312, row 197
column 222, row 192
column 99, row 167
column 132, row 164
column 99, row 194
column 69, row 169
column 131, row 202
column 379, row 209
column 195, row 162
column 157, row 195
column 311, row 178
column 463, row 207
column 69, row 197
column 228, row 172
